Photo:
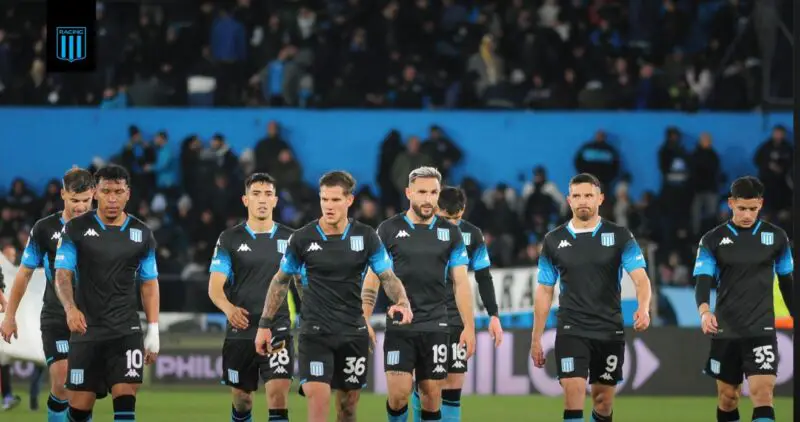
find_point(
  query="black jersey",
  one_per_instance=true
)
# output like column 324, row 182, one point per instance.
column 108, row 263
column 478, row 260
column 423, row 255
column 249, row 260
column 41, row 252
column 332, row 270
column 589, row 265
column 744, row 262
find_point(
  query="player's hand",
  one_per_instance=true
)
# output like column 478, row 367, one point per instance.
column 264, row 341
column 641, row 320
column 468, row 341
column 404, row 310
column 238, row 318
column 496, row 330
column 372, row 341
column 9, row 329
column 76, row 321
column 537, row 354
column 152, row 343
column 709, row 323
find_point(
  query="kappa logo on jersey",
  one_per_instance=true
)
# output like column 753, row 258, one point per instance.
column 132, row 373
column 55, row 236
column 767, row 238
column 352, row 379
column 244, row 248
column 726, row 241
column 443, row 235
column 136, row 235
column 439, row 369
column 766, row 366
column 282, row 246
column 357, row 243
column 280, row 370
column 607, row 239
column 314, row 247
column 91, row 233
column 76, row 376
column 467, row 237
column 62, row 346
column 316, row 369
column 402, row 233
column 563, row 244
column 606, row 376
column 458, row 364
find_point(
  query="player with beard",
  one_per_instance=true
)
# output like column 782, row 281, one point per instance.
column 330, row 255
column 77, row 192
column 425, row 250
column 106, row 262
column 587, row 255
column 247, row 256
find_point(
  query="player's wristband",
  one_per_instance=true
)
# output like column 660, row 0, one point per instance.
column 265, row 322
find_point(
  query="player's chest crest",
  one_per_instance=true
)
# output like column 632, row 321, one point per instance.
column 112, row 245
column 421, row 242
column 584, row 248
column 747, row 248
column 350, row 250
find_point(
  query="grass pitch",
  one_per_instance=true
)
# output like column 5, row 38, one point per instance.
column 168, row 405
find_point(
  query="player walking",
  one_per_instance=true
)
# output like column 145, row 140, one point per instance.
column 246, row 258
column 743, row 256
column 331, row 255
column 107, row 254
column 588, row 255
column 452, row 203
column 77, row 193
column 425, row 250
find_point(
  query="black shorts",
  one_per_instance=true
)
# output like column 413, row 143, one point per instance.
column 334, row 359
column 99, row 365
column 425, row 354
column 458, row 354
column 599, row 360
column 55, row 342
column 729, row 359
column 243, row 368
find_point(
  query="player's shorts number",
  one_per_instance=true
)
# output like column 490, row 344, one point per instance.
column 459, row 352
column 439, row 353
column 764, row 353
column 279, row 359
column 135, row 358
column 355, row 366
column 611, row 363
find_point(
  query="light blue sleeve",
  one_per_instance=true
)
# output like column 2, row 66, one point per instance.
column 148, row 268
column 632, row 256
column 785, row 263
column 32, row 256
column 480, row 259
column 221, row 261
column 458, row 255
column 291, row 263
column 548, row 274
column 380, row 261
column 705, row 264
column 66, row 254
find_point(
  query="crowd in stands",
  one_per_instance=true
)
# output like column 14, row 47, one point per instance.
column 189, row 193
column 411, row 54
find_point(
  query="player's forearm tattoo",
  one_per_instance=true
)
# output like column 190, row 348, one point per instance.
column 278, row 289
column 394, row 288
column 64, row 288
column 369, row 296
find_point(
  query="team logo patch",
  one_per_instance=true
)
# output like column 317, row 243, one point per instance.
column 316, row 369
column 467, row 238
column 567, row 365
column 62, row 346
column 282, row 246
column 713, row 365
column 136, row 235
column 393, row 357
column 767, row 238
column 76, row 376
column 70, row 43
column 443, row 234
column 233, row 376
column 607, row 239
column 357, row 243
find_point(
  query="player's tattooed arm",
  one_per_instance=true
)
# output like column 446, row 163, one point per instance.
column 278, row 289
column 393, row 287
column 64, row 289
column 369, row 293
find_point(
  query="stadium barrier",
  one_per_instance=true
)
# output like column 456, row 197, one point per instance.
column 657, row 363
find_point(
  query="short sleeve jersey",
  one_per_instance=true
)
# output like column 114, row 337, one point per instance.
column 478, row 260
column 108, row 263
column 41, row 252
column 249, row 260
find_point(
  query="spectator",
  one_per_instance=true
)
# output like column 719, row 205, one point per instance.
column 405, row 162
column 165, row 166
column 706, row 177
column 287, row 171
column 229, row 50
column 599, row 158
column 267, row 149
column 138, row 154
column 444, row 152
column 22, row 198
column 676, row 189
column 774, row 161
column 486, row 65
column 391, row 148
